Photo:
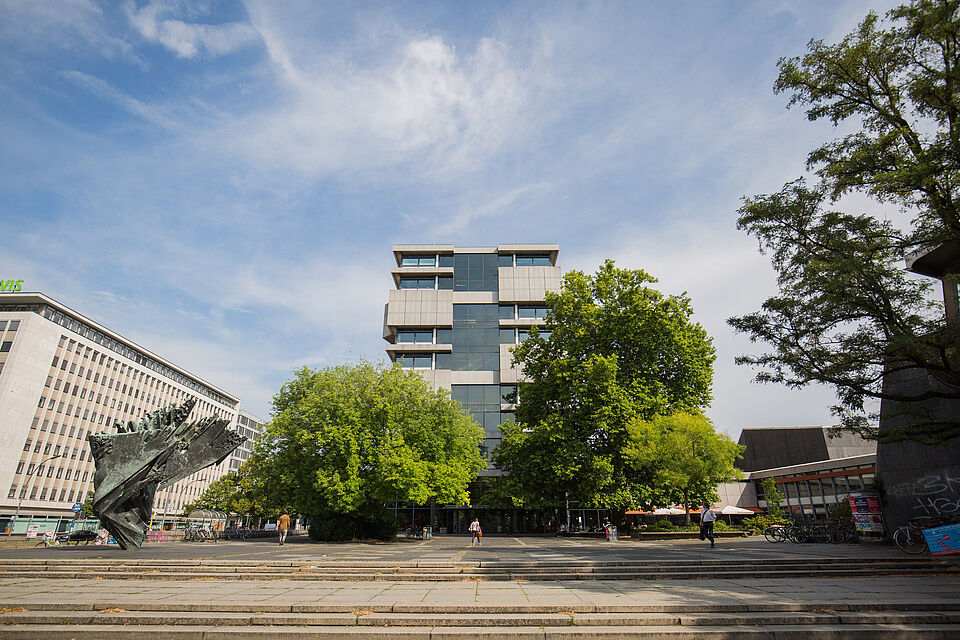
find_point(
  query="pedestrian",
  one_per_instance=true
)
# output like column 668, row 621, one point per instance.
column 282, row 527
column 707, row 518
column 476, row 532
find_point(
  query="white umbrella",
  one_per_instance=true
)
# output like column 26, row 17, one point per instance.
column 731, row 510
column 672, row 511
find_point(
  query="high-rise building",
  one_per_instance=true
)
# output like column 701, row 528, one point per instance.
column 64, row 376
column 456, row 312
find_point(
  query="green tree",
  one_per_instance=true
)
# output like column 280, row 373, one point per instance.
column 617, row 351
column 846, row 314
column 236, row 492
column 345, row 440
column 689, row 456
column 773, row 497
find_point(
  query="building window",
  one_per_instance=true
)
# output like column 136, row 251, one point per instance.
column 508, row 336
column 26, row 445
column 415, row 360
column 506, row 312
column 43, row 494
column 526, row 312
column 475, row 272
column 533, row 261
column 417, row 283
column 415, row 337
column 418, row 261
column 13, row 491
column 505, row 260
column 443, row 361
column 20, row 466
column 445, row 283
column 14, row 325
column 5, row 346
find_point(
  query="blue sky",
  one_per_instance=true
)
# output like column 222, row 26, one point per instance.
column 222, row 181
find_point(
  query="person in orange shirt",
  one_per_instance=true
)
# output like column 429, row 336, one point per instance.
column 282, row 527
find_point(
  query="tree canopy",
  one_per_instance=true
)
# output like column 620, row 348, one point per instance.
column 846, row 314
column 689, row 456
column 617, row 351
column 348, row 439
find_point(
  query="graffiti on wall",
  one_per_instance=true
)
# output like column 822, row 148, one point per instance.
column 932, row 495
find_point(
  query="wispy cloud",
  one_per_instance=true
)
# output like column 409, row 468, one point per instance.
column 187, row 39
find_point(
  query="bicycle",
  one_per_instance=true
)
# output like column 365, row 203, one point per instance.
column 775, row 533
column 910, row 539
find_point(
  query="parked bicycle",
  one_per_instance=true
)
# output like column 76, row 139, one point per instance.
column 910, row 537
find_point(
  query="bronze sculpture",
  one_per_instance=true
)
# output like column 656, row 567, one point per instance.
column 151, row 454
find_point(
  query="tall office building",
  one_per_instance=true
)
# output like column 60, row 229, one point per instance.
column 455, row 313
column 62, row 377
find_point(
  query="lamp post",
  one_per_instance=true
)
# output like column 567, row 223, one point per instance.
column 20, row 502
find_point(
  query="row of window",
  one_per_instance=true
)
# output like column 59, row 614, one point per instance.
column 442, row 283
column 12, row 326
column 51, row 469
column 502, row 260
column 66, row 495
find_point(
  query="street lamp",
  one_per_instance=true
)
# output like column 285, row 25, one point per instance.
column 23, row 493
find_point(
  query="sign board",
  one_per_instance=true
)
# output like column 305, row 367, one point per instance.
column 866, row 513
column 32, row 531
column 77, row 507
column 943, row 540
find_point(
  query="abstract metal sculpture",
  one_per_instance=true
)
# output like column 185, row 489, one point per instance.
column 144, row 456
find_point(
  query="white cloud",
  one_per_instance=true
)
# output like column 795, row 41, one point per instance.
column 421, row 105
column 185, row 39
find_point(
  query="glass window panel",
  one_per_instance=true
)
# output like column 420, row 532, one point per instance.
column 5, row 346
column 507, row 336
column 424, row 337
column 491, row 421
column 524, row 261
column 445, row 283
column 406, row 337
column 428, row 261
column 491, row 362
column 3, row 325
column 506, row 312
column 443, row 361
column 445, row 261
column 409, row 283
column 14, row 325
column 505, row 260
column 507, row 416
column 541, row 261
column 507, row 392
column 423, row 362
column 409, row 261
column 526, row 312
column 491, row 395
column 444, row 336
column 475, row 394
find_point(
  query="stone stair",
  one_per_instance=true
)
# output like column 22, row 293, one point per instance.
column 484, row 571
column 425, row 622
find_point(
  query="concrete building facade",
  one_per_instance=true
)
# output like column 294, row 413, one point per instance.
column 455, row 312
column 64, row 376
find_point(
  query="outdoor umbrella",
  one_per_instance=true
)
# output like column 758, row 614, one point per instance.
column 731, row 510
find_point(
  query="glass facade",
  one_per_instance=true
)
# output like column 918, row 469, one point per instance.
column 476, row 337
column 475, row 272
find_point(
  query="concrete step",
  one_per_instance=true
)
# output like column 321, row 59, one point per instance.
column 672, row 632
column 119, row 616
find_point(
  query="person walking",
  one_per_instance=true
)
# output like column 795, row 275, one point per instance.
column 707, row 518
column 476, row 531
column 282, row 527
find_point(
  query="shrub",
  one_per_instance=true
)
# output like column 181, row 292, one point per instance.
column 662, row 525
column 339, row 527
column 762, row 522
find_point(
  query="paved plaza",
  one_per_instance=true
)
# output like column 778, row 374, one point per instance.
column 458, row 549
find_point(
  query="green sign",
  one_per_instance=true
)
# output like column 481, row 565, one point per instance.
column 11, row 285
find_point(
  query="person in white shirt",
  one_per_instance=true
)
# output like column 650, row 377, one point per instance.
column 707, row 518
column 475, row 531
